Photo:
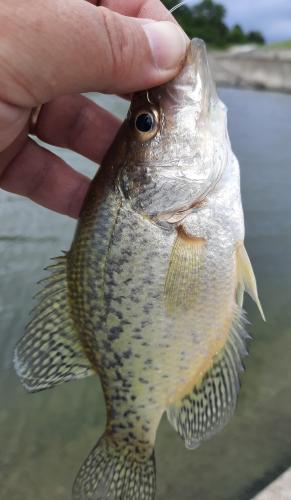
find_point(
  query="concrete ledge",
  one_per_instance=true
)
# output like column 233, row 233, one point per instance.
column 280, row 489
column 261, row 69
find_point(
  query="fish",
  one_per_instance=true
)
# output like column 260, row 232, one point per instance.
column 150, row 295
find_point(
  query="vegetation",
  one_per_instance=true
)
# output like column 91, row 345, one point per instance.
column 207, row 20
column 280, row 45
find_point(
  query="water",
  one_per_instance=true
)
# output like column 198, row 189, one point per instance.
column 45, row 437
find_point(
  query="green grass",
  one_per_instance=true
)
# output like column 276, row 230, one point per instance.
column 280, row 45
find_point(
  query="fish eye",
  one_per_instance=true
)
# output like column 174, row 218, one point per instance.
column 144, row 122
column 146, row 125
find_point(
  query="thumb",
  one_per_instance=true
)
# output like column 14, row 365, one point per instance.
column 69, row 46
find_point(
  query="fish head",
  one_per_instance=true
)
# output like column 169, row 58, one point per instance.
column 175, row 141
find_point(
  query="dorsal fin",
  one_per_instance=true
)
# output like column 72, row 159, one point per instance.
column 208, row 407
column 50, row 352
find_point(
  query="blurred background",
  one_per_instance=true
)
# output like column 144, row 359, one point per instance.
column 250, row 42
column 46, row 436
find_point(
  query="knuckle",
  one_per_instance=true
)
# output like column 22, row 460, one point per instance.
column 120, row 42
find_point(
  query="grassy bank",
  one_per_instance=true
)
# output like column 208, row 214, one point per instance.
column 280, row 45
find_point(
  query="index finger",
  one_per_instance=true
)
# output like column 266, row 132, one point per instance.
column 152, row 9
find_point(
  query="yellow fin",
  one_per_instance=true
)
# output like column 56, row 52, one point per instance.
column 183, row 272
column 246, row 279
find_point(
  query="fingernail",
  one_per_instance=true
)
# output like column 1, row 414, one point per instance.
column 168, row 43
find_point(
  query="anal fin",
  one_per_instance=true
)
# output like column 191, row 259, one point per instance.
column 209, row 406
column 50, row 352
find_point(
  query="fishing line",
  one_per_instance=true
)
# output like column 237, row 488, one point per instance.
column 180, row 4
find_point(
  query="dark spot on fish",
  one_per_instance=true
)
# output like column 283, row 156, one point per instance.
column 114, row 333
column 121, row 398
column 118, row 359
column 106, row 345
column 118, row 375
column 127, row 354
column 125, row 322
column 107, row 296
column 133, row 397
column 147, row 308
column 143, row 380
column 126, row 251
column 128, row 412
column 137, row 336
column 118, row 299
column 142, row 441
column 144, row 323
column 148, row 281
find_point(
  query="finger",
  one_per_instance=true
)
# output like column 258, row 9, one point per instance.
column 81, row 48
column 12, row 121
column 76, row 123
column 43, row 177
column 152, row 9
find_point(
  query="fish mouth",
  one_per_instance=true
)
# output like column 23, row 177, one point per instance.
column 194, row 84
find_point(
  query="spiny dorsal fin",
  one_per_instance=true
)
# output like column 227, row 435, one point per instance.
column 50, row 351
column 209, row 406
column 184, row 269
column 246, row 279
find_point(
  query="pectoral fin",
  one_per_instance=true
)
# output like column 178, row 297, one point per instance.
column 246, row 279
column 182, row 279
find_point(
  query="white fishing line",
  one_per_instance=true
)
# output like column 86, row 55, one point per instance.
column 180, row 4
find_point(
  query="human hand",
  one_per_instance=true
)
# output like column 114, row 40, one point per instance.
column 52, row 51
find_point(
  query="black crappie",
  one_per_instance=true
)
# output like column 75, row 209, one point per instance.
column 150, row 294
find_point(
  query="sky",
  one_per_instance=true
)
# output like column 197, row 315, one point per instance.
column 271, row 17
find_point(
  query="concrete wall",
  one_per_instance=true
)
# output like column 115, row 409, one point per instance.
column 263, row 69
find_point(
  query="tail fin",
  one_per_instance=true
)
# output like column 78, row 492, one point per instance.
column 114, row 472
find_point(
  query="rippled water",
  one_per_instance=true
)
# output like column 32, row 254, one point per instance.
column 44, row 437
